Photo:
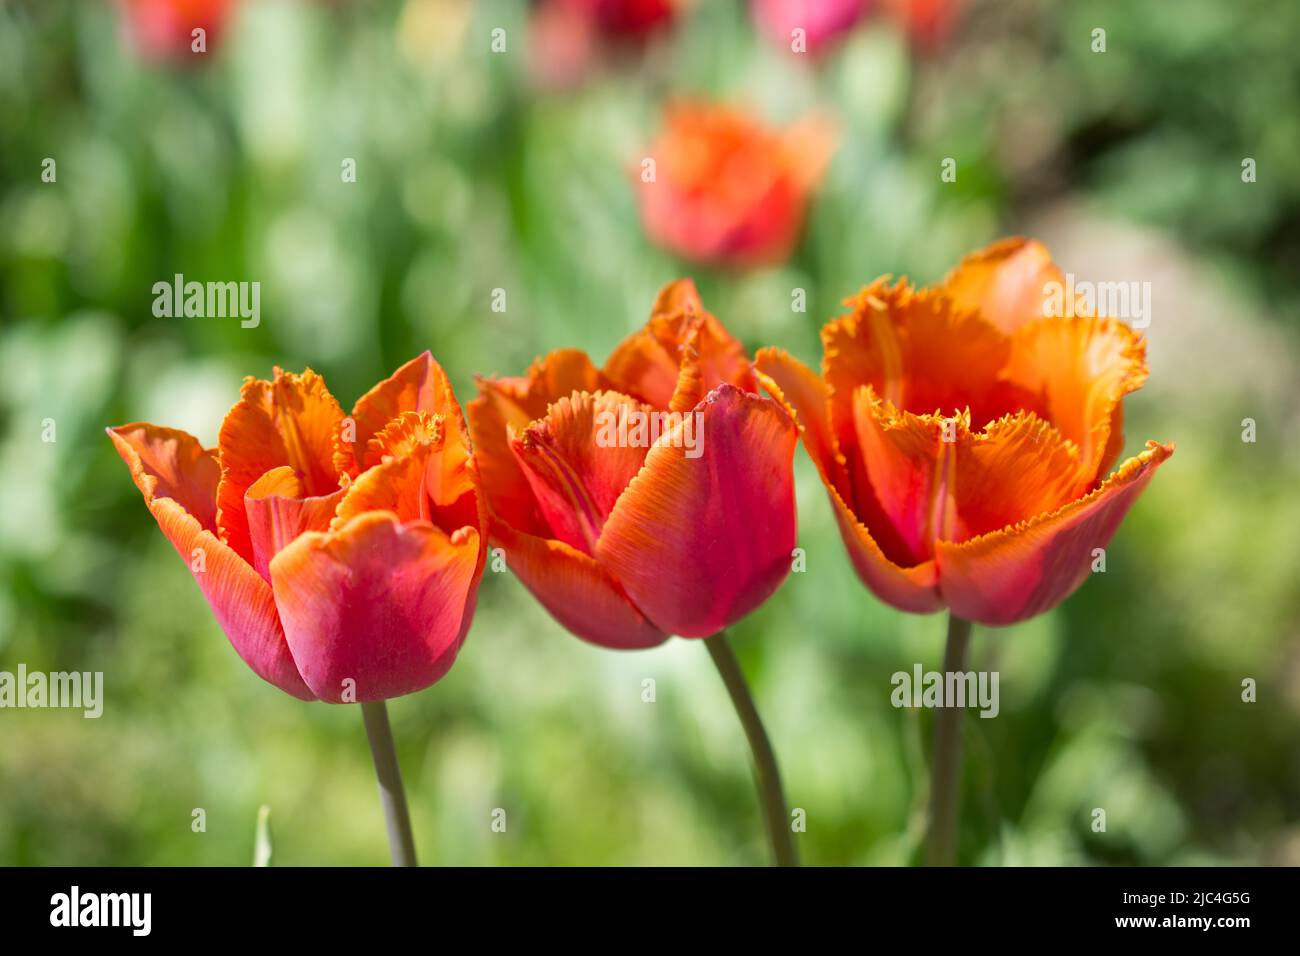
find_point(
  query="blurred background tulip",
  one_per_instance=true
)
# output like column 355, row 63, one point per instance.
column 567, row 38
column 719, row 187
column 808, row 26
column 175, row 29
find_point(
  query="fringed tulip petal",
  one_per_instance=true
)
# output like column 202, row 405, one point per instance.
column 647, row 363
column 1015, row 573
column 178, row 480
column 418, row 386
column 912, row 589
column 292, row 421
column 680, row 295
column 576, row 591
column 379, row 603
column 514, row 403
column 699, row 542
column 1013, row 470
column 680, row 355
column 1009, row 282
column 1083, row 367
column 806, row 397
column 920, row 354
column 278, row 513
column 908, row 468
column 579, row 458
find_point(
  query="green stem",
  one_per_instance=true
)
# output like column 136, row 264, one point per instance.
column 767, row 778
column 391, row 794
column 945, row 775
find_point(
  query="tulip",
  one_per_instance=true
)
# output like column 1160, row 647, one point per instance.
column 927, row 23
column 626, row 538
column 340, row 555
column 567, row 37
column 727, row 190
column 823, row 22
column 964, row 435
column 164, row 29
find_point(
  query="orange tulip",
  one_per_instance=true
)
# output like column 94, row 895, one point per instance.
column 330, row 548
column 628, row 541
column 965, row 436
column 727, row 190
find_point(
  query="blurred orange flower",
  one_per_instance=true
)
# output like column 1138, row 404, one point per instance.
column 329, row 548
column 965, row 436
column 628, row 541
column 725, row 189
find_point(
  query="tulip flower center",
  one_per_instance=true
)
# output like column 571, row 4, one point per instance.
column 575, row 473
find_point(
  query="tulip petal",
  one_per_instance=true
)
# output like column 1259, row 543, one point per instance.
column 922, row 355
column 677, row 296
column 647, row 365
column 179, row 482
column 516, row 402
column 1018, row 572
column 1083, row 367
column 1016, row 469
column 804, row 394
column 1007, row 282
column 412, row 478
column 278, row 512
column 709, row 356
column 418, row 386
column 580, row 457
column 576, row 591
column 908, row 466
column 913, row 589
column 936, row 479
column 292, row 421
column 379, row 602
column 697, row 543
column 909, row 588
column 680, row 355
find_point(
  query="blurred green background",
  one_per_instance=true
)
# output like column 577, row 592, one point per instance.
column 1126, row 163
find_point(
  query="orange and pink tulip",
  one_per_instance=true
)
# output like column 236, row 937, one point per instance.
column 340, row 554
column 965, row 437
column 728, row 190
column 627, row 543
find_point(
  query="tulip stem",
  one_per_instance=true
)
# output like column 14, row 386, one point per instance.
column 391, row 793
column 767, row 778
column 945, row 775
